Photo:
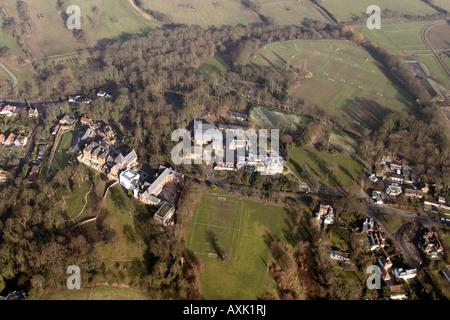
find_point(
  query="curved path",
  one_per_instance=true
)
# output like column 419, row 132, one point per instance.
column 425, row 39
column 16, row 82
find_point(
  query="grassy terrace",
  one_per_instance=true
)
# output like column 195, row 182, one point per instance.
column 238, row 227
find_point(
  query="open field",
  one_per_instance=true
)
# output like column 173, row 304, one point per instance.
column 203, row 12
column 238, row 227
column 108, row 18
column 290, row 12
column 348, row 10
column 271, row 118
column 341, row 72
column 119, row 207
column 100, row 19
column 98, row 292
column 77, row 205
column 47, row 36
column 343, row 142
column 330, row 169
column 215, row 64
column 439, row 37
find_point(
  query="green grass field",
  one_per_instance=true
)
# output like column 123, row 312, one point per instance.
column 60, row 159
column 330, row 169
column 77, row 205
column 342, row 141
column 341, row 71
column 215, row 64
column 268, row 118
column 119, row 206
column 239, row 227
column 347, row 10
column 97, row 293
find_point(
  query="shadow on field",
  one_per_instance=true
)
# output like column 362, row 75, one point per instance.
column 368, row 113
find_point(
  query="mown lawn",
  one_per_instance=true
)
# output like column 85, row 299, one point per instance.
column 240, row 227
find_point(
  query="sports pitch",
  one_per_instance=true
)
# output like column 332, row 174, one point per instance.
column 239, row 227
column 342, row 71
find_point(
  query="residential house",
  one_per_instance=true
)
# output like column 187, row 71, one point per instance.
column 10, row 140
column 430, row 244
column 400, row 273
column 124, row 162
column 67, row 120
column 232, row 128
column 377, row 240
column 412, row 193
column 8, row 111
column 33, row 113
column 397, row 292
column 3, row 176
column 86, row 121
column 103, row 94
column 164, row 214
column 324, row 210
column 21, row 141
column 2, row 138
column 339, row 255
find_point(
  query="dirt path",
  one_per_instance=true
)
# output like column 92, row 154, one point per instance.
column 15, row 81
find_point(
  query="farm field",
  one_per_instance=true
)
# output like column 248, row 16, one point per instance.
column 344, row 10
column 98, row 292
column 341, row 72
column 271, row 118
column 238, row 227
column 331, row 170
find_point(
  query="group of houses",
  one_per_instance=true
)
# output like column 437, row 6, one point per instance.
column 236, row 149
column 398, row 177
column 13, row 140
column 11, row 111
column 430, row 245
column 375, row 237
column 79, row 99
column 98, row 152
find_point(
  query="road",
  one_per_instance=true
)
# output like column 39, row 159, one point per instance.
column 425, row 39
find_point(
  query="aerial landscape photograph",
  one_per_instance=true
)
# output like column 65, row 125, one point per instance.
column 246, row 152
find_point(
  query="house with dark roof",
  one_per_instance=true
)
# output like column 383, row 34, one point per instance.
column 239, row 116
column 165, row 214
column 154, row 189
